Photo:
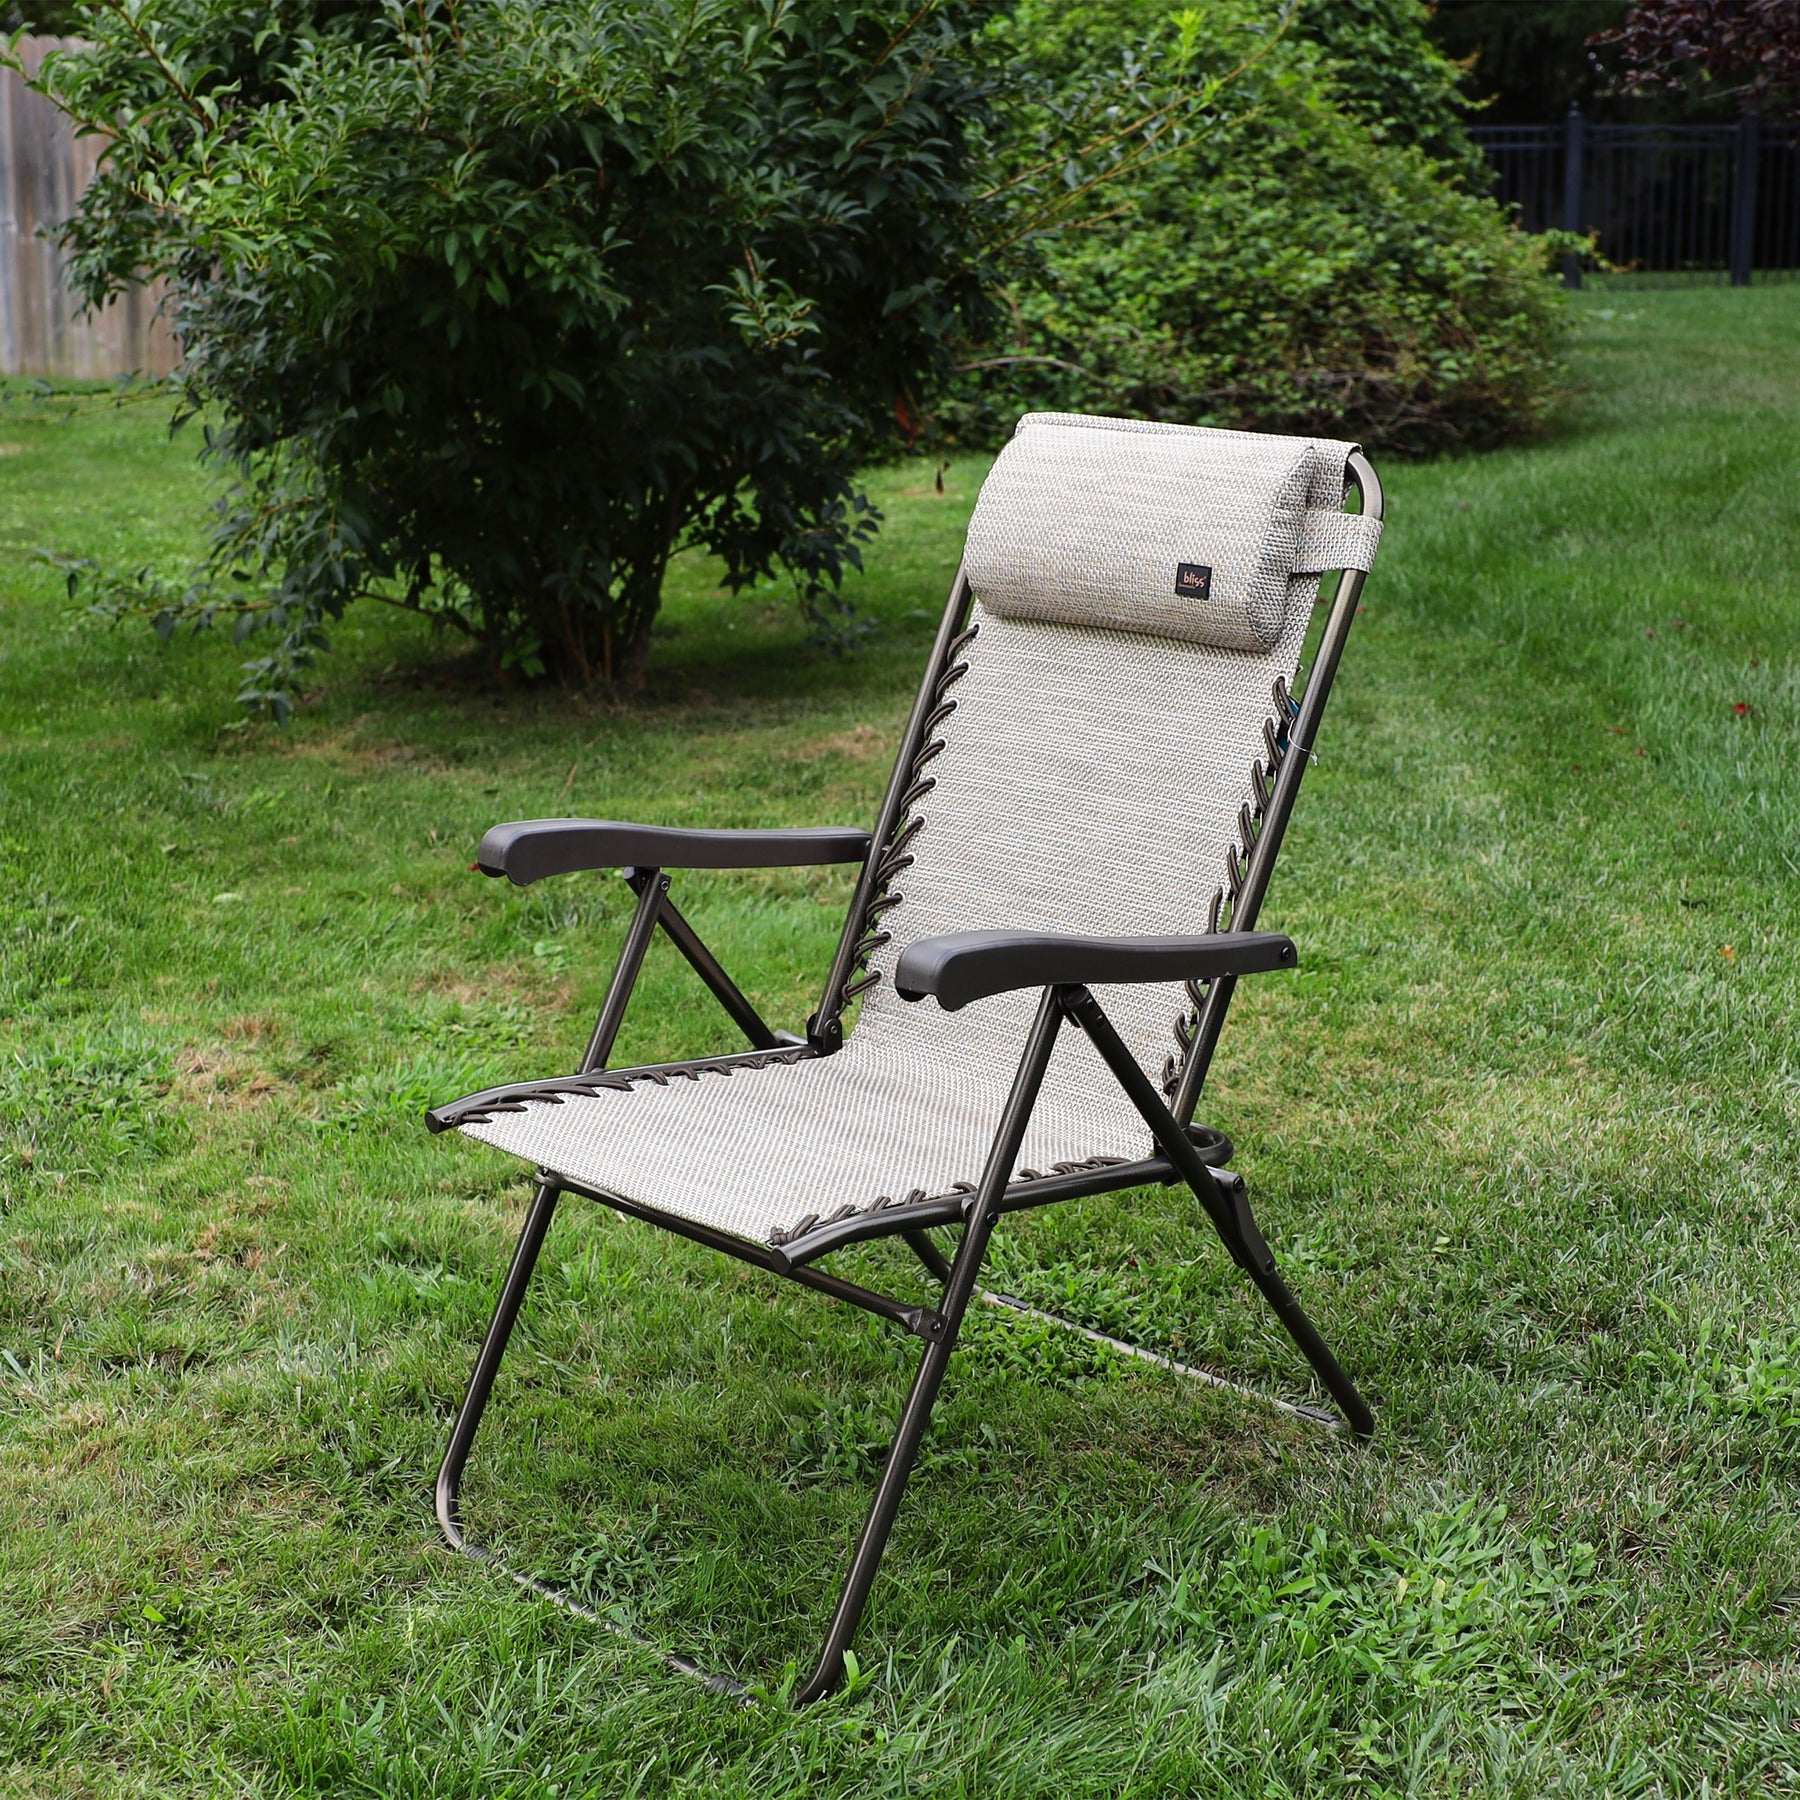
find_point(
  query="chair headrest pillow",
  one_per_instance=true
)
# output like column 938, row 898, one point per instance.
column 1173, row 530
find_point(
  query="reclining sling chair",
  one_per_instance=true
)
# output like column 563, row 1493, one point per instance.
column 1081, row 824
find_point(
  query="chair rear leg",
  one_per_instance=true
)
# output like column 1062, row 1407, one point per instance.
column 1312, row 1346
column 1222, row 1194
column 1237, row 1227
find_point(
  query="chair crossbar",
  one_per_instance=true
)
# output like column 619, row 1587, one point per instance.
column 726, row 991
column 1314, row 1415
column 1077, row 1183
column 910, row 1317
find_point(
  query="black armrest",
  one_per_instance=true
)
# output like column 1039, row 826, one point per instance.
column 530, row 849
column 969, row 965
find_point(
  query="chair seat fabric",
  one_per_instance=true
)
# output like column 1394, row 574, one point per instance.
column 763, row 1152
column 1079, row 778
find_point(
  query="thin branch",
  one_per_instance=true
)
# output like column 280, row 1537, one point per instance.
column 899, row 38
column 442, row 613
column 1158, row 149
column 920, row 75
column 168, row 74
column 1005, row 362
column 1183, row 101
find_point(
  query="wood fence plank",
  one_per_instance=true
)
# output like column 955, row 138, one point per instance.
column 44, row 168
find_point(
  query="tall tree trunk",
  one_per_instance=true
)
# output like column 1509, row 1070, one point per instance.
column 639, row 603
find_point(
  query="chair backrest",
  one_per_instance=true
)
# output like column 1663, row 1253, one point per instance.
column 1141, row 596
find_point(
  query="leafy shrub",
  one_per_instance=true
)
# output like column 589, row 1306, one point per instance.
column 52, row 18
column 1298, row 269
column 1387, row 72
column 497, row 303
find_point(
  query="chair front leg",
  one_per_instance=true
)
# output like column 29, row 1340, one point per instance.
column 487, row 1366
column 980, row 1216
column 468, row 1422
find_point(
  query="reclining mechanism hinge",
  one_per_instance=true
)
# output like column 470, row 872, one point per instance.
column 924, row 1322
column 1251, row 1248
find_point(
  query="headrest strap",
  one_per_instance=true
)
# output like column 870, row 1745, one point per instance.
column 1330, row 539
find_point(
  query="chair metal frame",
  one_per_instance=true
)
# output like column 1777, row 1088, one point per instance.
column 1187, row 1153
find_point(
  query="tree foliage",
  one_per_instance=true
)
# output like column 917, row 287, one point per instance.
column 51, row 18
column 1526, row 62
column 1747, row 48
column 1386, row 70
column 1291, row 270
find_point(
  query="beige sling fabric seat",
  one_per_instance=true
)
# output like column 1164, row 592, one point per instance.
column 1103, row 752
column 1090, row 780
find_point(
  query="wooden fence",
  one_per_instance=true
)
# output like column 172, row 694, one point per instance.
column 44, row 167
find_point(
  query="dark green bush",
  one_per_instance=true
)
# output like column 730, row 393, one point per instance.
column 498, row 303
column 50, row 18
column 1302, row 268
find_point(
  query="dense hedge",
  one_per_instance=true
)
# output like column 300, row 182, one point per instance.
column 1317, row 263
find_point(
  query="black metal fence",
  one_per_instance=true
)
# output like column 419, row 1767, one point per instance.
column 1665, row 204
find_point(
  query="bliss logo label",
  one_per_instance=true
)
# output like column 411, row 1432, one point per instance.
column 1193, row 581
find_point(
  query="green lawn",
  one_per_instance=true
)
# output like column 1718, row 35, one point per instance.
column 1522, row 1129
